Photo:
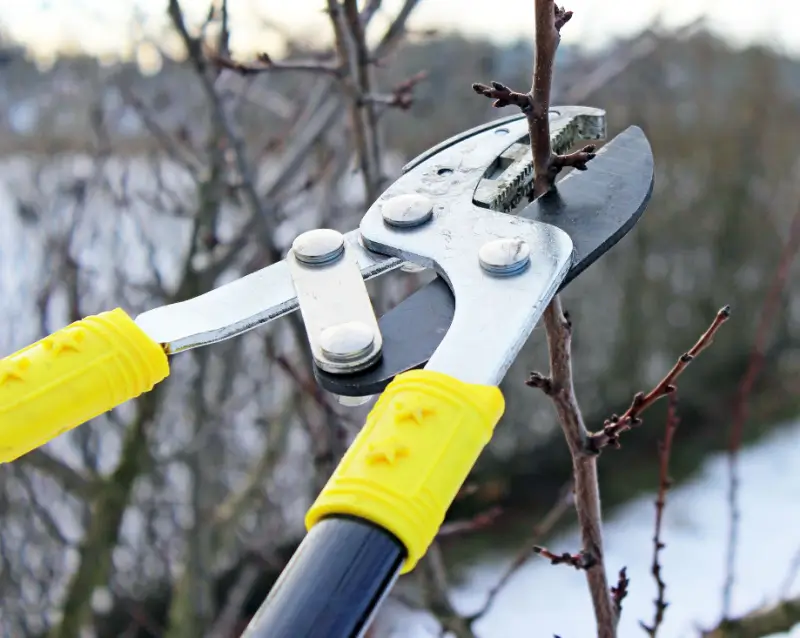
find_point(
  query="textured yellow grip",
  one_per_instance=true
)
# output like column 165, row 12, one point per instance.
column 72, row 376
column 408, row 462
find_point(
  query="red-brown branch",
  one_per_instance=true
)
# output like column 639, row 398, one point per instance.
column 504, row 96
column 402, row 95
column 265, row 64
column 664, row 484
column 481, row 520
column 616, row 425
column 620, row 590
column 581, row 560
column 754, row 366
column 564, row 504
column 535, row 104
column 584, row 466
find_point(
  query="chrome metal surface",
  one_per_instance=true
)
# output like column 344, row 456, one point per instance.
column 348, row 341
column 407, row 211
column 509, row 179
column 493, row 315
column 352, row 402
column 269, row 294
column 243, row 304
column 504, row 256
column 318, row 246
column 340, row 323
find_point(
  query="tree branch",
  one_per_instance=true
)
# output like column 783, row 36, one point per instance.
column 108, row 508
column 563, row 505
column 664, row 484
column 791, row 574
column 265, row 64
column 756, row 362
column 535, row 104
column 433, row 579
column 616, row 425
column 768, row 621
column 561, row 390
column 230, row 510
column 67, row 477
column 352, row 53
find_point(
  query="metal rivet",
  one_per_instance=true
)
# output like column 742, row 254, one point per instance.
column 412, row 268
column 319, row 246
column 504, row 256
column 407, row 211
column 352, row 402
column 347, row 341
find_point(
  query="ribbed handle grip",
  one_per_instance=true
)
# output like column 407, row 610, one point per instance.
column 72, row 376
column 408, row 462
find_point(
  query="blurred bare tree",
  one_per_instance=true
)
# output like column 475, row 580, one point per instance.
column 172, row 515
column 173, row 489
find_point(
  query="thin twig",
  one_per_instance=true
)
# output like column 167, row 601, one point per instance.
column 227, row 620
column 791, row 575
column 265, row 64
column 754, row 366
column 620, row 590
column 767, row 621
column 550, row 18
column 482, row 520
column 371, row 7
column 564, row 504
column 395, row 32
column 364, row 81
column 68, row 478
column 581, row 560
column 616, row 425
column 402, row 95
column 664, row 484
column 433, row 581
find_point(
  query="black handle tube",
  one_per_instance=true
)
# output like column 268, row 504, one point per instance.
column 333, row 584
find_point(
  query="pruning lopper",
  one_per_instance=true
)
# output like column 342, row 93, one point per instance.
column 437, row 358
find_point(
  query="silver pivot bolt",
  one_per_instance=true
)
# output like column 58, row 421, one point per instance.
column 347, row 342
column 407, row 211
column 340, row 322
column 320, row 246
column 504, row 256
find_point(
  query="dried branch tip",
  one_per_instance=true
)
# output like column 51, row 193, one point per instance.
column 620, row 590
column 581, row 560
column 403, row 93
column 504, row 96
column 561, row 16
column 538, row 380
column 576, row 160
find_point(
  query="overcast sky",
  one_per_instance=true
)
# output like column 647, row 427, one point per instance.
column 102, row 25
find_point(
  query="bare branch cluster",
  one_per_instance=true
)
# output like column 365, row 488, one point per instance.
column 558, row 385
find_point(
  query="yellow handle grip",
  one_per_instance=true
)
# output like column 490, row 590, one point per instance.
column 408, row 462
column 74, row 375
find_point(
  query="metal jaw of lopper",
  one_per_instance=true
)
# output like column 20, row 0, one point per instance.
column 595, row 209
